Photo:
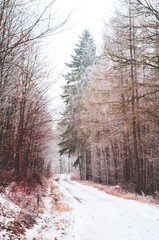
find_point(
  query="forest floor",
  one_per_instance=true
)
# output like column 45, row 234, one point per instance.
column 69, row 210
column 23, row 216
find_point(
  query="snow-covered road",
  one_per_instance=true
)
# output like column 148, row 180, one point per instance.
column 98, row 216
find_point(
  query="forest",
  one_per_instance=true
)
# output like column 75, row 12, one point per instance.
column 79, row 139
column 25, row 122
column 111, row 117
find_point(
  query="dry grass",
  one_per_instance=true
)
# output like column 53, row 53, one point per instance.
column 74, row 176
column 22, row 196
column 28, row 200
column 57, row 204
column 119, row 192
column 62, row 207
column 41, row 207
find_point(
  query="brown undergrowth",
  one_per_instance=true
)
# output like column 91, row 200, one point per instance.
column 19, row 208
column 54, row 209
column 57, row 204
column 29, row 201
column 118, row 191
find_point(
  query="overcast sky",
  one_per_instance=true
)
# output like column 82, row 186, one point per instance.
column 86, row 14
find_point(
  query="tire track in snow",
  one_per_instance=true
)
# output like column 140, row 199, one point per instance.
column 99, row 216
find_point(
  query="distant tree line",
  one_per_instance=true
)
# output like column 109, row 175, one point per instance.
column 111, row 119
column 25, row 124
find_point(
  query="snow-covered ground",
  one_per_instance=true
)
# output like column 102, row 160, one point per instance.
column 72, row 211
column 50, row 222
column 8, row 213
column 99, row 216
column 53, row 222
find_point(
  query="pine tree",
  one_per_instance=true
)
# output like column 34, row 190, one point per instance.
column 76, row 81
column 79, row 67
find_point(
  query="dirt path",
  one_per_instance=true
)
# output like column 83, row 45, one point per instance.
column 99, row 216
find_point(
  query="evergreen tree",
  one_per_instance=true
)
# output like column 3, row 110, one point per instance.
column 83, row 59
column 76, row 81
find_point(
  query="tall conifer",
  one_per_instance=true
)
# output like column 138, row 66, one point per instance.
column 76, row 81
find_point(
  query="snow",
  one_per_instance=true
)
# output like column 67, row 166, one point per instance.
column 93, row 215
column 50, row 224
column 8, row 212
column 97, row 215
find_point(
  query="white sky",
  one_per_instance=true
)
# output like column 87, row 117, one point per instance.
column 87, row 14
